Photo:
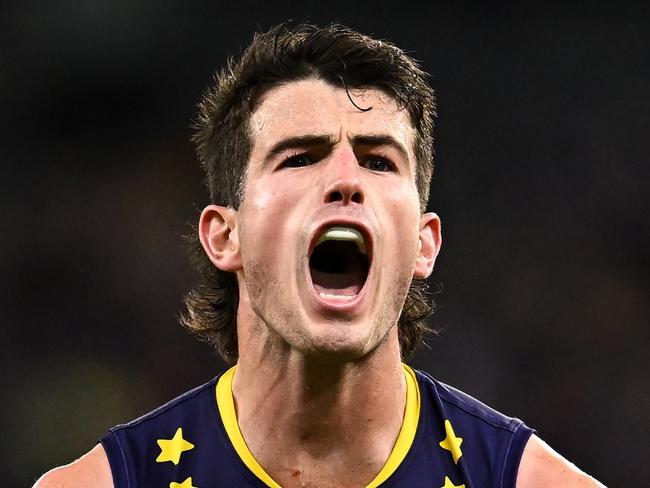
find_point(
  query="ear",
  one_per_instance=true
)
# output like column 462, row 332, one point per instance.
column 429, row 245
column 218, row 234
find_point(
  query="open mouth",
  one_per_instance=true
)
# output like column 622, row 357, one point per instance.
column 339, row 263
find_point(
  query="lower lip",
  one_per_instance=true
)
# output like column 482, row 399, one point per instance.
column 336, row 302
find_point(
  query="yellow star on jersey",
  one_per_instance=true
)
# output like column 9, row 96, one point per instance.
column 451, row 442
column 185, row 484
column 449, row 484
column 171, row 449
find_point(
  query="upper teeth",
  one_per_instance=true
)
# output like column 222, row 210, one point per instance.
column 344, row 234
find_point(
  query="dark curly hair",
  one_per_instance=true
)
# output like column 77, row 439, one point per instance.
column 222, row 138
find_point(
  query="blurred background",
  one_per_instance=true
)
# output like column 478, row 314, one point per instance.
column 541, row 183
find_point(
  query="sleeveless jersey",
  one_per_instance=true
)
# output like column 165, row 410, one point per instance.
column 447, row 440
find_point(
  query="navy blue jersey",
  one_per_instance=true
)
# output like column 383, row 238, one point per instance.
column 448, row 439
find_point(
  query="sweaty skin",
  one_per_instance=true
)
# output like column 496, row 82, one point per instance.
column 319, row 389
column 306, row 364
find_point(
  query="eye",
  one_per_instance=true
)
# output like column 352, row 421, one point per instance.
column 297, row 161
column 378, row 164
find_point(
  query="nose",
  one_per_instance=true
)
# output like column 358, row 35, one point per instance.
column 345, row 185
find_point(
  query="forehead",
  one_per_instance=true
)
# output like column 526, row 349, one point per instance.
column 313, row 106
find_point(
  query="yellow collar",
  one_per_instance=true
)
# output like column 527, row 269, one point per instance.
column 226, row 405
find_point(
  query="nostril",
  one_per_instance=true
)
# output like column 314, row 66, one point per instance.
column 335, row 196
column 343, row 195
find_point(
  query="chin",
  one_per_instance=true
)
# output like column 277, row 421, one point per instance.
column 347, row 342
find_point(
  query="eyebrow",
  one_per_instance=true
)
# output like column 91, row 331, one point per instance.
column 298, row 142
column 307, row 140
column 380, row 140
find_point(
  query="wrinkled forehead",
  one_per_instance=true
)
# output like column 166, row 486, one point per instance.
column 314, row 106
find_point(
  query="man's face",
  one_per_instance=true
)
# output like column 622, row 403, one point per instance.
column 329, row 222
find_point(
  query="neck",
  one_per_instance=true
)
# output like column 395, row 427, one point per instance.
column 307, row 420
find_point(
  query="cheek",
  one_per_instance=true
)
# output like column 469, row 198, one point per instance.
column 272, row 194
column 262, row 199
column 267, row 220
column 402, row 208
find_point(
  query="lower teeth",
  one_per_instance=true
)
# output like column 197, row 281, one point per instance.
column 331, row 295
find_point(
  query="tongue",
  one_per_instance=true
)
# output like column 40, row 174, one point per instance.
column 346, row 284
column 338, row 270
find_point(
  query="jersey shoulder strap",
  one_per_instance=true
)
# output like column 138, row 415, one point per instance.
column 180, row 444
column 476, row 445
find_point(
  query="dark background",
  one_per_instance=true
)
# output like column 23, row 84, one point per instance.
column 541, row 183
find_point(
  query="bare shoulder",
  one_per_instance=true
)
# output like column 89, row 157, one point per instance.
column 89, row 471
column 542, row 467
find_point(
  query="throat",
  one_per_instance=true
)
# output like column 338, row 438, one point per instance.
column 315, row 434
column 338, row 269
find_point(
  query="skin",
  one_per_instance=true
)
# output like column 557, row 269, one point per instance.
column 305, row 365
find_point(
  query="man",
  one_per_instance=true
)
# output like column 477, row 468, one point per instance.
column 317, row 145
